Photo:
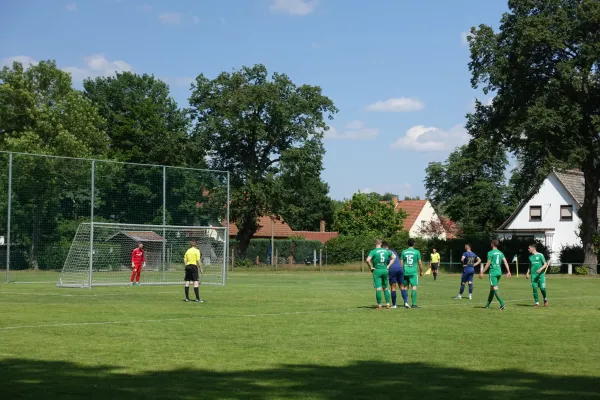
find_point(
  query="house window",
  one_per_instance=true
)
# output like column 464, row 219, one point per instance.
column 535, row 213
column 566, row 213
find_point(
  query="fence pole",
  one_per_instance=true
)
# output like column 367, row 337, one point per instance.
column 232, row 260
column 164, row 221
column 92, row 223
column 10, row 163
column 314, row 257
column 450, row 267
column 276, row 258
column 227, row 229
column 321, row 258
column 362, row 262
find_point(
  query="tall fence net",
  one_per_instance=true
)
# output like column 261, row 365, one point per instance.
column 44, row 200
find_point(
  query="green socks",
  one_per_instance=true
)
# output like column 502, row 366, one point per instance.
column 387, row 296
column 490, row 297
column 378, row 296
column 543, row 294
column 413, row 297
column 535, row 295
column 499, row 299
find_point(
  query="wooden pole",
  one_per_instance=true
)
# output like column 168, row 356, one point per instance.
column 362, row 262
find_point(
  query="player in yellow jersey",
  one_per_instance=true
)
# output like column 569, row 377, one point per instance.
column 193, row 263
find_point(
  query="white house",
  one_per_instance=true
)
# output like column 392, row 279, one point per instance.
column 419, row 213
column 550, row 215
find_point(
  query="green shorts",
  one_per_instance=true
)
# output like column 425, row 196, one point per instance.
column 412, row 280
column 495, row 279
column 538, row 281
column 381, row 278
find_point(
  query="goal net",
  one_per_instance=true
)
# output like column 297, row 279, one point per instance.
column 100, row 254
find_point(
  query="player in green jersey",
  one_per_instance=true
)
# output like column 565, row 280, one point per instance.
column 495, row 259
column 537, row 270
column 410, row 260
column 379, row 261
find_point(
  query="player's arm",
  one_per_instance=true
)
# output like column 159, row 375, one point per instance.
column 484, row 268
column 420, row 264
column 508, row 274
column 462, row 259
column 544, row 267
column 369, row 263
column 392, row 259
column 528, row 273
column 199, row 262
column 477, row 262
column 144, row 259
column 133, row 259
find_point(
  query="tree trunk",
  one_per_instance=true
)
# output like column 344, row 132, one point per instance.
column 589, row 218
column 245, row 233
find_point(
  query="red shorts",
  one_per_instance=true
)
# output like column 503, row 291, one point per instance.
column 137, row 267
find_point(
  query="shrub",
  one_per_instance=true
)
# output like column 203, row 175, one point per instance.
column 581, row 270
column 243, row 263
column 572, row 255
column 554, row 269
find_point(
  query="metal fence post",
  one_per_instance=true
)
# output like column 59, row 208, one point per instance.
column 276, row 258
column 164, row 222
column 227, row 228
column 92, row 223
column 10, row 163
column 362, row 261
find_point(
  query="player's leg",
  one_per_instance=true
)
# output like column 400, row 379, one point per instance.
column 470, row 283
column 393, row 283
column 496, row 288
column 386, row 291
column 404, row 290
column 542, row 284
column 414, row 282
column 435, row 271
column 188, row 278
column 378, row 288
column 133, row 274
column 534, row 287
column 139, row 273
column 196, row 284
column 463, row 280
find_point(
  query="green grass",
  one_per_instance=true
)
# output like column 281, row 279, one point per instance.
column 298, row 335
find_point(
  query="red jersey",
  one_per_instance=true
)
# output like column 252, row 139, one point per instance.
column 138, row 256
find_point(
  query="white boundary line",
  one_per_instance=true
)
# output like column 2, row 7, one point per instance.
column 146, row 321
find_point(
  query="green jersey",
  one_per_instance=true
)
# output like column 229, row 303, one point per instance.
column 537, row 261
column 380, row 258
column 495, row 258
column 410, row 259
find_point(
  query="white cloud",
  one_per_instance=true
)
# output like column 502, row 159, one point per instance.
column 97, row 65
column 170, row 18
column 294, row 7
column 464, row 37
column 71, row 7
column 401, row 104
column 428, row 138
column 195, row 20
column 354, row 130
column 25, row 60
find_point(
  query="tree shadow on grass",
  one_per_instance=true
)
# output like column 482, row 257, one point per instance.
column 30, row 379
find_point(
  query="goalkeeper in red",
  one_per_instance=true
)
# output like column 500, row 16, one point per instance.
column 138, row 261
column 379, row 261
column 537, row 270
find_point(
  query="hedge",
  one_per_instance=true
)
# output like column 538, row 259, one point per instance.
column 299, row 250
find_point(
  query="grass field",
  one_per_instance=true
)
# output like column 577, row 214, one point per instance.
column 299, row 335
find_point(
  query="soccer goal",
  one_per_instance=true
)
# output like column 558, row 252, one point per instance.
column 101, row 254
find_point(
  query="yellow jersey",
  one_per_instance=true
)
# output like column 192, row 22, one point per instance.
column 192, row 256
column 435, row 258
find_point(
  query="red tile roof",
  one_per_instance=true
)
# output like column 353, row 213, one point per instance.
column 412, row 208
column 281, row 229
column 322, row 237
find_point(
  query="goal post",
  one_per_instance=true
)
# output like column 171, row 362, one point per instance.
column 100, row 254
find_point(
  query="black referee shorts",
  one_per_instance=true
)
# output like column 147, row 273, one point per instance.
column 191, row 273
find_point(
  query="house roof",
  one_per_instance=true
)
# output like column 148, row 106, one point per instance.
column 322, row 237
column 572, row 181
column 281, row 229
column 139, row 236
column 412, row 208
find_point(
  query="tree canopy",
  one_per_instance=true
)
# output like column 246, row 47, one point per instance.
column 366, row 214
column 543, row 66
column 250, row 125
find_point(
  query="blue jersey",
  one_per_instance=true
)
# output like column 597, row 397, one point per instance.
column 470, row 259
column 396, row 265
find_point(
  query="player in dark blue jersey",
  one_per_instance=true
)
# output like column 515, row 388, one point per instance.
column 470, row 260
column 396, row 277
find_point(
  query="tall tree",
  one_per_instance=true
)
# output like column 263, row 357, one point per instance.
column 250, row 124
column 470, row 189
column 41, row 113
column 146, row 126
column 365, row 214
column 543, row 64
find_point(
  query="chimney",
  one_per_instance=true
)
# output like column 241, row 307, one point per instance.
column 395, row 200
column 322, row 226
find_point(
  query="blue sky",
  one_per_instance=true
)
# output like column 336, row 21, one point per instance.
column 396, row 69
